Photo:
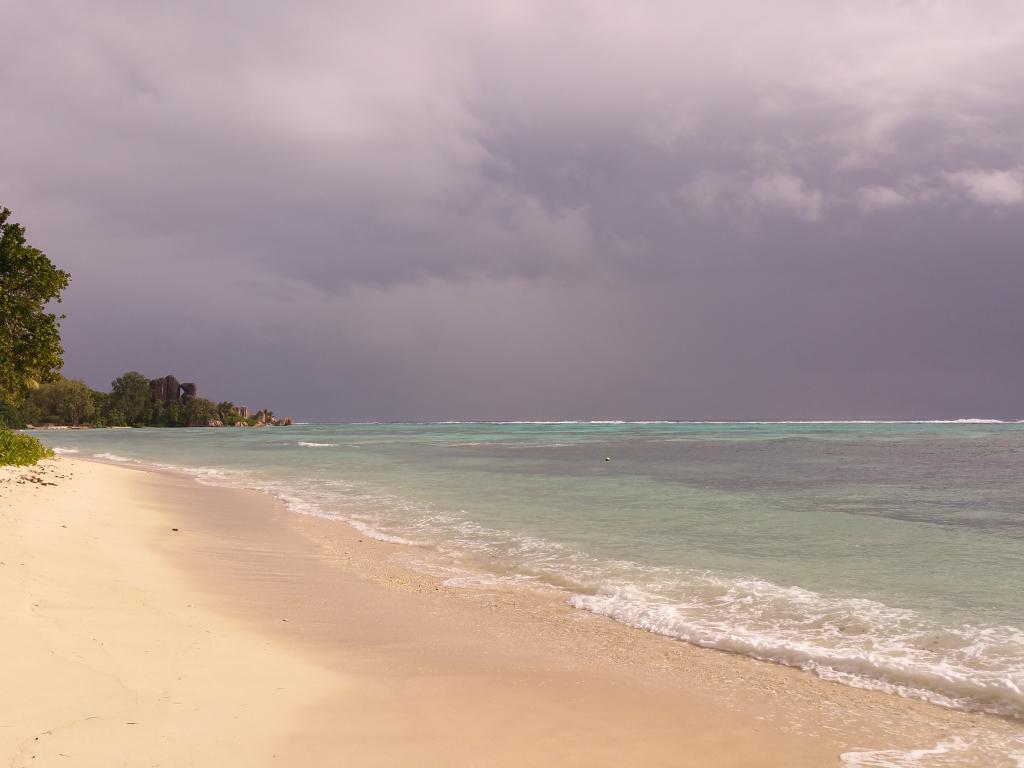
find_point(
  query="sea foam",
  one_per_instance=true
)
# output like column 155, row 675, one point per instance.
column 945, row 753
column 857, row 642
column 115, row 457
column 988, row 749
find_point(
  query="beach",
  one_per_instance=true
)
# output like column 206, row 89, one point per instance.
column 254, row 636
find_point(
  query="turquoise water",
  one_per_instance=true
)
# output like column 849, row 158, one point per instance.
column 880, row 555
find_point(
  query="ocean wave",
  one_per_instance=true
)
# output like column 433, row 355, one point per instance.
column 313, row 500
column 723, row 423
column 61, row 451
column 567, row 421
column 511, row 445
column 813, row 422
column 317, row 445
column 854, row 641
column 379, row 535
column 973, row 421
column 945, row 753
column 980, row 748
column 857, row 642
column 207, row 475
column 115, row 457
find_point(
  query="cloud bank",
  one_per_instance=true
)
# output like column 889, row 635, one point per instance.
column 526, row 210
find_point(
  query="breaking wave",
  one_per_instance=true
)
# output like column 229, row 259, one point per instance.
column 115, row 457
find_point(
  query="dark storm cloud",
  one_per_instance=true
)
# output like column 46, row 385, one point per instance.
column 520, row 210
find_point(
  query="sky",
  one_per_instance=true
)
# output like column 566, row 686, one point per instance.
column 393, row 211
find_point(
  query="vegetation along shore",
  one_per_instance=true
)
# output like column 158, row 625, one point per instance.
column 34, row 393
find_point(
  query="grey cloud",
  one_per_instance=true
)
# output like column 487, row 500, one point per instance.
column 774, row 192
column 876, row 198
column 992, row 187
column 788, row 209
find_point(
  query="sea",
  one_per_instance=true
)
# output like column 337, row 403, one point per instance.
column 883, row 555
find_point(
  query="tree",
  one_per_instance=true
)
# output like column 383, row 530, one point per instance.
column 17, row 416
column 130, row 395
column 64, row 401
column 228, row 413
column 198, row 412
column 101, row 407
column 114, row 418
column 171, row 416
column 30, row 348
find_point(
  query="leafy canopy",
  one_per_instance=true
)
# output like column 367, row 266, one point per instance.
column 30, row 348
column 65, row 401
column 130, row 395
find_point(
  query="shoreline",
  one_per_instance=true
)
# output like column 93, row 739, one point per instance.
column 418, row 671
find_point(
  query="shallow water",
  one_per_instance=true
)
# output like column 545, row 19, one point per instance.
column 880, row 555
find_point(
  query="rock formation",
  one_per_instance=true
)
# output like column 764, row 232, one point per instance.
column 165, row 390
column 168, row 391
column 265, row 418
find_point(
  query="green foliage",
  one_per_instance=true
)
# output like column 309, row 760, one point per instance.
column 30, row 348
column 228, row 413
column 130, row 403
column 167, row 417
column 100, row 400
column 130, row 397
column 64, row 401
column 32, row 391
column 21, row 449
column 114, row 418
column 18, row 415
column 198, row 412
column 100, row 406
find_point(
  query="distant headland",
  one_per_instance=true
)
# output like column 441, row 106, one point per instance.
column 168, row 391
column 134, row 400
